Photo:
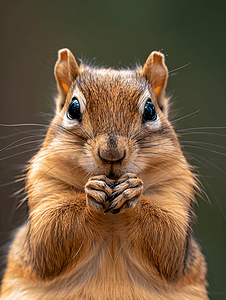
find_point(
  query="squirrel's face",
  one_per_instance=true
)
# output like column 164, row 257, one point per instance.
column 112, row 122
column 111, row 109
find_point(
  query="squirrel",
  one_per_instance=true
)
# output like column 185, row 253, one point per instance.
column 110, row 194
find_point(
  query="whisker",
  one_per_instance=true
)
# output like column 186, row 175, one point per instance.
column 169, row 72
column 204, row 143
column 139, row 168
column 189, row 155
column 24, row 124
column 88, row 174
column 215, row 197
column 16, row 154
column 20, row 132
column 45, row 155
column 9, row 147
column 210, row 150
column 197, row 128
column 78, row 251
column 71, row 159
column 185, row 117
column 45, row 65
column 201, row 157
column 201, row 132
column 118, row 253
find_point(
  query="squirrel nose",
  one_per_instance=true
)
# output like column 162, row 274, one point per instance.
column 111, row 156
column 111, row 149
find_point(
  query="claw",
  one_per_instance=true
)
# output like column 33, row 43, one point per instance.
column 116, row 211
column 110, row 207
column 118, row 182
column 112, row 196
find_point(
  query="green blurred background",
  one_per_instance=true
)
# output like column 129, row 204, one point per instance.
column 118, row 33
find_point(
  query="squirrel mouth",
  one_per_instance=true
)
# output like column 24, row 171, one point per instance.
column 113, row 176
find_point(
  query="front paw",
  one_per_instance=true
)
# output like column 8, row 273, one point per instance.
column 126, row 193
column 97, row 191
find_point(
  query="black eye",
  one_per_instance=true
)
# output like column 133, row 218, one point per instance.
column 149, row 112
column 74, row 110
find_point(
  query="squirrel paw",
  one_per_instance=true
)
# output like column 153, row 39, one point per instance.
column 126, row 193
column 97, row 191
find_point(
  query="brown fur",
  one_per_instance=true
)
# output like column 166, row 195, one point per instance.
column 110, row 197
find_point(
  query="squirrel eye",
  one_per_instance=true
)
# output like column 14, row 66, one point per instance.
column 74, row 110
column 149, row 112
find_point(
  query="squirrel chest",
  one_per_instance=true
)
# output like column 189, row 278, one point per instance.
column 110, row 195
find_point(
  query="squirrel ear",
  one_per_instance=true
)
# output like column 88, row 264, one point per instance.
column 156, row 72
column 66, row 70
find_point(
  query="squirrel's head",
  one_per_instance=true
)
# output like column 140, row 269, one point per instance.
column 110, row 122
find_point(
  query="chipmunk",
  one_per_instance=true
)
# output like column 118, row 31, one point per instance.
column 110, row 195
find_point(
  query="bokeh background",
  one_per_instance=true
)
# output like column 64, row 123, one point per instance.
column 119, row 33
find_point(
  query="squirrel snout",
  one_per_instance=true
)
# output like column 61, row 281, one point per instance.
column 111, row 149
column 111, row 156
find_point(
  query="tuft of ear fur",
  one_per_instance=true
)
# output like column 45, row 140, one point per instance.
column 156, row 72
column 66, row 70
